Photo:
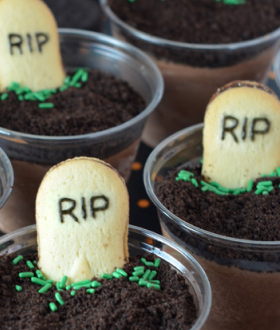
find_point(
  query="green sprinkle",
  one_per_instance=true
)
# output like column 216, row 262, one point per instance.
column 81, row 282
column 34, row 262
column 29, row 264
column 152, row 275
column 139, row 268
column 155, row 281
column 273, row 174
column 73, row 293
column 258, row 191
column 58, row 298
column 95, row 284
column 78, row 85
column 154, row 286
column 184, row 175
column 17, row 260
column 58, row 286
column 68, row 287
column 4, row 96
column 194, row 182
column 63, row 281
column 63, row 88
column 26, row 274
column 76, row 77
column 278, row 171
column 45, row 105
column 53, row 307
column 38, row 281
column 138, row 272
column 45, row 288
column 18, row 288
column 264, row 184
column 157, row 262
column 107, row 276
column 201, row 161
column 122, row 272
column 134, row 278
column 146, row 275
column 67, row 80
column 143, row 260
column 85, row 285
column 117, row 275
column 39, row 96
column 142, row 282
column 39, row 274
column 149, row 263
column 269, row 189
column 265, row 192
column 250, row 185
column 84, row 77
column 90, row 291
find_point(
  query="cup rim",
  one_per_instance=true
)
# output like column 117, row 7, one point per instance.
column 221, row 239
column 204, row 279
column 178, row 44
column 125, row 47
column 5, row 163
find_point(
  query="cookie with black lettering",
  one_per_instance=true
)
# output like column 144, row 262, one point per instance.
column 241, row 135
column 29, row 46
column 82, row 210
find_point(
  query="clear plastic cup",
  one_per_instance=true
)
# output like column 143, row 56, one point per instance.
column 33, row 155
column 6, row 178
column 244, row 275
column 189, row 85
column 276, row 69
column 140, row 241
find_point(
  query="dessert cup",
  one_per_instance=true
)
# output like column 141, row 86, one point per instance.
column 33, row 155
column 140, row 241
column 276, row 69
column 189, row 85
column 244, row 275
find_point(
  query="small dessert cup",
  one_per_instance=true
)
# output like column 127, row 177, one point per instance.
column 193, row 72
column 33, row 155
column 244, row 275
column 140, row 241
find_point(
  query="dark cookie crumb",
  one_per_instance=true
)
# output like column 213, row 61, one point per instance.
column 245, row 216
column 101, row 103
column 118, row 304
column 200, row 22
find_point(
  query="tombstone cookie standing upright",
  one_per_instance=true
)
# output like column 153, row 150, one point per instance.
column 82, row 220
column 241, row 135
column 29, row 46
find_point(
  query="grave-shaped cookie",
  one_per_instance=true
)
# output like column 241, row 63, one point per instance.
column 29, row 46
column 241, row 134
column 82, row 211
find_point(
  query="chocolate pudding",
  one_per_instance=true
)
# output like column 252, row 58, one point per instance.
column 198, row 46
column 244, row 280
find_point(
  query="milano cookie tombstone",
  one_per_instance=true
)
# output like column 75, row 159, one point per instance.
column 29, row 46
column 241, row 134
column 82, row 220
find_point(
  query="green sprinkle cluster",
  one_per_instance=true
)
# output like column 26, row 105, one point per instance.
column 144, row 277
column 262, row 187
column 24, row 93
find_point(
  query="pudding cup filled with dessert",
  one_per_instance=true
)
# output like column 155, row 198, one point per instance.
column 198, row 46
column 100, row 109
column 83, row 266
column 233, row 232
